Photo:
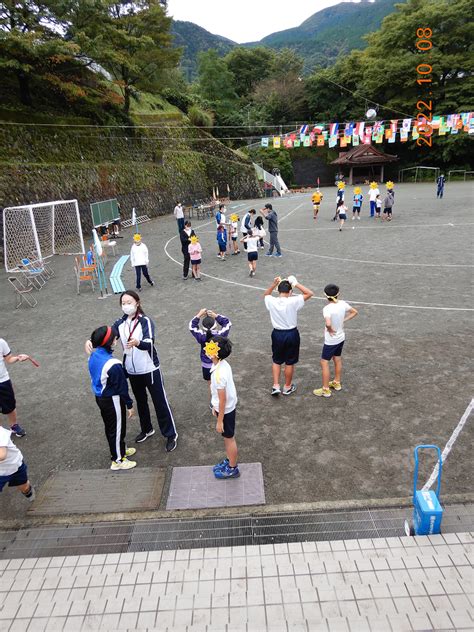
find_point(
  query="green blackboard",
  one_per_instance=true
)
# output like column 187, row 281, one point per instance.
column 105, row 212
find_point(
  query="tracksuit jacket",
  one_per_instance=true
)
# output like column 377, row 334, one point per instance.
column 201, row 335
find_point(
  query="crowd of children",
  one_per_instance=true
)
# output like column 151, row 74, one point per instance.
column 375, row 203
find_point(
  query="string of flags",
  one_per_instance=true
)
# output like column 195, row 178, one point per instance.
column 355, row 133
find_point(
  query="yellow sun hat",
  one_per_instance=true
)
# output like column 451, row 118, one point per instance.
column 357, row 190
column 211, row 349
column 340, row 185
column 137, row 237
column 234, row 217
column 194, row 239
column 373, row 185
column 389, row 185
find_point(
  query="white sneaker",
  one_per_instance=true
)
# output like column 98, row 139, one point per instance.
column 358, row 217
column 124, row 464
column 353, row 217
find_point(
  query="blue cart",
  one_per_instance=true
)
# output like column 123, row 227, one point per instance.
column 427, row 511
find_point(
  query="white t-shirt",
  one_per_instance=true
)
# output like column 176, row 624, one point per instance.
column 14, row 457
column 337, row 312
column 221, row 377
column 178, row 212
column 139, row 255
column 252, row 242
column 283, row 310
column 373, row 194
column 4, row 351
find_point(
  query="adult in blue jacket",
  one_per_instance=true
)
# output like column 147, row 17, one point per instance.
column 110, row 388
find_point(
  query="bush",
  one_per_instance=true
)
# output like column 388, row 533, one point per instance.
column 200, row 118
column 177, row 98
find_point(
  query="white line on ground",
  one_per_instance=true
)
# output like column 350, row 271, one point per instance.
column 449, row 445
column 319, row 298
column 392, row 226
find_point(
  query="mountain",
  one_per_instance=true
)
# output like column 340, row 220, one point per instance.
column 194, row 39
column 331, row 31
column 319, row 39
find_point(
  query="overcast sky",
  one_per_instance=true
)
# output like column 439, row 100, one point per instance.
column 246, row 20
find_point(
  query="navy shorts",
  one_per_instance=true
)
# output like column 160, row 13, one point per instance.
column 342, row 216
column 252, row 256
column 195, row 262
column 234, row 238
column 329, row 351
column 7, row 398
column 206, row 373
column 222, row 247
column 285, row 346
column 20, row 477
column 356, row 208
column 229, row 425
column 387, row 211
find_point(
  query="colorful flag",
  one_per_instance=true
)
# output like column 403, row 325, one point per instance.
column 436, row 122
column 454, row 124
column 367, row 140
column 320, row 140
column 264, row 142
column 343, row 141
column 415, row 134
column 288, row 142
column 276, row 142
column 355, row 140
column 406, row 125
column 296, row 142
column 361, row 130
column 333, row 129
column 388, row 133
column 318, row 128
column 332, row 141
column 307, row 141
column 303, row 129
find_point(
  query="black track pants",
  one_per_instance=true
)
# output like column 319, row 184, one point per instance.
column 114, row 415
column 153, row 382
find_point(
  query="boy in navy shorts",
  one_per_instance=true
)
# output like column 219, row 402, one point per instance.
column 224, row 402
column 335, row 315
column 285, row 336
column 13, row 471
column 7, row 394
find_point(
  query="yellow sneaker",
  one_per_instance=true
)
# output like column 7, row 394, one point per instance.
column 335, row 385
column 130, row 451
column 322, row 392
column 124, row 464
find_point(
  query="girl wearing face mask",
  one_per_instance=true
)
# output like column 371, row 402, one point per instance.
column 109, row 385
column 137, row 335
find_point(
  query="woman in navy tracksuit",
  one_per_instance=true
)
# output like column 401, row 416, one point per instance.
column 142, row 366
column 110, row 388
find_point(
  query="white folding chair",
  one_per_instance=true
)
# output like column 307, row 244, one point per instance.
column 22, row 293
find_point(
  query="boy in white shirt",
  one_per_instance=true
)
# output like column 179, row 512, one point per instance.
column 13, row 471
column 285, row 335
column 335, row 315
column 7, row 394
column 223, row 402
column 139, row 260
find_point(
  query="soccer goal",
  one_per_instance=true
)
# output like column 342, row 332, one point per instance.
column 418, row 174
column 39, row 231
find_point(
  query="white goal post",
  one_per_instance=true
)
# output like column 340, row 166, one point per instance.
column 39, row 231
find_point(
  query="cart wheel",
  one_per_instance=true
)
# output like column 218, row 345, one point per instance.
column 409, row 528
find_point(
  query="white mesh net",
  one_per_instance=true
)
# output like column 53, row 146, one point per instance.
column 39, row 231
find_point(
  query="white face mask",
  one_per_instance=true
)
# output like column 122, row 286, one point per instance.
column 129, row 309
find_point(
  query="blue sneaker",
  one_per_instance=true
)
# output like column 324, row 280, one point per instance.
column 269, row 254
column 278, row 254
column 18, row 430
column 227, row 472
column 220, row 465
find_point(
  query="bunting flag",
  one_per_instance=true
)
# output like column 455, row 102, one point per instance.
column 343, row 134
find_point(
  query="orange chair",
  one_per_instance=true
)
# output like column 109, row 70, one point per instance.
column 83, row 274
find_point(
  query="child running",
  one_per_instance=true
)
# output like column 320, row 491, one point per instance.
column 251, row 239
column 13, row 470
column 209, row 328
column 357, row 205
column 335, row 315
column 221, row 241
column 223, row 402
column 110, row 387
column 316, row 198
column 195, row 252
column 341, row 213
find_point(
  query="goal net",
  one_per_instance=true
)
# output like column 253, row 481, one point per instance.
column 39, row 231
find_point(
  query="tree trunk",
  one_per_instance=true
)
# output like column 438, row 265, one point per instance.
column 126, row 103
column 24, row 84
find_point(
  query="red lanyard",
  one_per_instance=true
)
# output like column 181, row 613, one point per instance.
column 133, row 329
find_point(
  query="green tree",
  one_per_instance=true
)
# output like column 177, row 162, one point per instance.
column 216, row 81
column 29, row 47
column 249, row 67
column 131, row 40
